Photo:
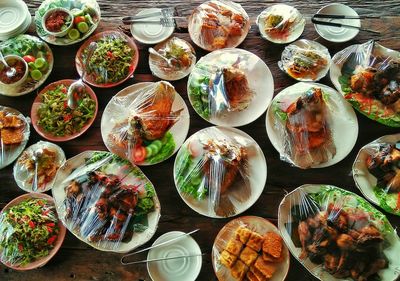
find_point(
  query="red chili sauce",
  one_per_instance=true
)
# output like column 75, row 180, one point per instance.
column 20, row 71
column 56, row 20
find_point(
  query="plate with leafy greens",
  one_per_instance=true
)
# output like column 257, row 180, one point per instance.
column 338, row 235
column 368, row 76
column 376, row 172
column 39, row 57
column 106, row 202
column 86, row 18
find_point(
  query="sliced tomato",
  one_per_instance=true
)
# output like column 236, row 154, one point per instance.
column 139, row 154
column 79, row 19
column 29, row 58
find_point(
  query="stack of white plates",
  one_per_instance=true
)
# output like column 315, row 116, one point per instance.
column 14, row 18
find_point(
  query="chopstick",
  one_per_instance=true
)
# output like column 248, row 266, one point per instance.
column 336, row 24
column 327, row 16
column 163, row 259
column 155, row 246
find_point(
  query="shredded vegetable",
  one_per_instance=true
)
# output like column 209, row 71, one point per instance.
column 28, row 231
column 57, row 118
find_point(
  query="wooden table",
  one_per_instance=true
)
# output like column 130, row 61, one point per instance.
column 78, row 261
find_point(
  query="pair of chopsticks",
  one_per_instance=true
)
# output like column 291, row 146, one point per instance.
column 159, row 245
column 336, row 24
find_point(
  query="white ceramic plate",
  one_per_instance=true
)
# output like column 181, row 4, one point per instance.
column 333, row 33
column 109, row 119
column 11, row 152
column 284, row 217
column 286, row 12
column 75, row 167
column 257, row 224
column 364, row 180
column 259, row 78
column 23, row 177
column 257, row 169
column 344, row 124
column 186, row 269
column 67, row 4
column 148, row 33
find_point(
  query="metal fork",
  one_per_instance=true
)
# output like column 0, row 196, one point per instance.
column 167, row 22
column 164, row 12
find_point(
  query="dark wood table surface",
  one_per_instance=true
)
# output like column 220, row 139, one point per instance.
column 78, row 261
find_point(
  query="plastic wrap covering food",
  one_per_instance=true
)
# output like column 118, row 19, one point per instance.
column 175, row 59
column 29, row 231
column 106, row 202
column 250, row 248
column 368, row 75
column 281, row 23
column 376, row 172
column 306, row 123
column 337, row 235
column 36, row 168
column 109, row 61
column 305, row 60
column 218, row 24
column 219, row 172
column 230, row 87
column 14, row 134
column 138, row 123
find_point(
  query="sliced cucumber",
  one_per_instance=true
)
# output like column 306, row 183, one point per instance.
column 158, row 144
column 36, row 74
column 32, row 65
column 149, row 152
column 40, row 62
column 195, row 180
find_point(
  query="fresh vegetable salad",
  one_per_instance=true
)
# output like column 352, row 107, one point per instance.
column 28, row 231
column 55, row 117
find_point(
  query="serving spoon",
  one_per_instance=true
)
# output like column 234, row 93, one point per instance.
column 77, row 85
column 11, row 71
column 35, row 158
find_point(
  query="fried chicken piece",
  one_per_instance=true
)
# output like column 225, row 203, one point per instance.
column 12, row 136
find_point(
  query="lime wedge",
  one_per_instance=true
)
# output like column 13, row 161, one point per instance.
column 40, row 62
column 73, row 34
column 36, row 74
column 83, row 27
column 32, row 65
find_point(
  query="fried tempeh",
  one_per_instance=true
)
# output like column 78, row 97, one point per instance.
column 266, row 268
column 272, row 245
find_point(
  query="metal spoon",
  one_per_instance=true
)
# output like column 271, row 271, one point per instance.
column 35, row 158
column 11, row 70
column 167, row 60
column 77, row 85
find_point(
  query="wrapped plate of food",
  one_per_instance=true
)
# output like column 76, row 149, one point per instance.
column 368, row 76
column 30, row 231
column 48, row 157
column 173, row 60
column 376, row 172
column 66, row 22
column 106, row 202
column 230, row 87
column 281, row 23
column 145, row 123
column 14, row 134
column 111, row 62
column 32, row 60
column 54, row 120
column 305, row 60
column 305, row 124
column 252, row 248
column 218, row 24
column 220, row 172
column 337, row 235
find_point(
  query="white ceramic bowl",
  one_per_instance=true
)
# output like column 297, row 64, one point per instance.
column 337, row 34
column 60, row 33
column 23, row 78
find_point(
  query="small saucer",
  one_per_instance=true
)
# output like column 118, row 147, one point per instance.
column 175, row 269
column 150, row 33
column 338, row 34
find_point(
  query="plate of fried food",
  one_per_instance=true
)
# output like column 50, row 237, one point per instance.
column 337, row 235
column 218, row 24
column 220, row 172
column 230, row 87
column 311, row 125
column 14, row 134
column 250, row 248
